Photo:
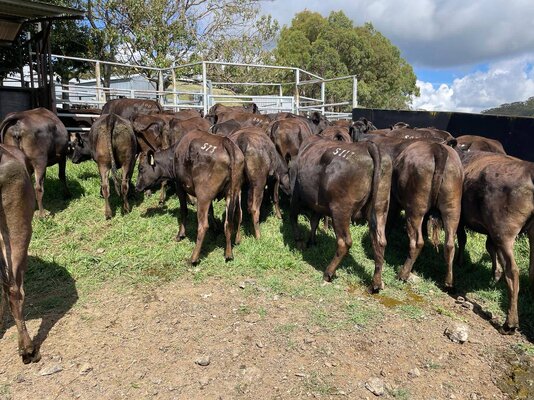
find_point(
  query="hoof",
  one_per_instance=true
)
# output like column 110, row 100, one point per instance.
column 34, row 357
column 227, row 259
column 507, row 330
column 327, row 277
column 311, row 243
column 300, row 244
column 108, row 216
column 194, row 262
column 376, row 288
column 179, row 238
column 402, row 277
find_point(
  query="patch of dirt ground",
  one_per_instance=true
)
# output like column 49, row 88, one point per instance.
column 257, row 345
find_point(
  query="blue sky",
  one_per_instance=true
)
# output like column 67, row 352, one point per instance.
column 467, row 55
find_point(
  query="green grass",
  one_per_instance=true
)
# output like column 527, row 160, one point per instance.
column 76, row 251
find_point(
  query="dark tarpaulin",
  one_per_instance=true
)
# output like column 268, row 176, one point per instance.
column 515, row 133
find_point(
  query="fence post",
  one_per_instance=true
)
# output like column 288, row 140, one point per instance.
column 205, row 87
column 354, row 92
column 161, row 88
column 98, row 85
column 175, row 95
column 323, row 87
column 297, row 96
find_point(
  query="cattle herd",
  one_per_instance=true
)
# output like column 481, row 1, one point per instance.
column 344, row 171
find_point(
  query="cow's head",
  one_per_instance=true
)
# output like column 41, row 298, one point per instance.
column 149, row 131
column 151, row 172
column 319, row 120
column 79, row 145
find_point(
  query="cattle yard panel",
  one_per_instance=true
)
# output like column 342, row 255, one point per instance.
column 197, row 85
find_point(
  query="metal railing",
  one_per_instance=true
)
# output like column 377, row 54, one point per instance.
column 197, row 85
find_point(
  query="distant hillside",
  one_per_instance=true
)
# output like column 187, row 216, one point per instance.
column 518, row 109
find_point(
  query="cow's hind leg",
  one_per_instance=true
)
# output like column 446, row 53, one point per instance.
column 125, row 187
column 256, row 192
column 462, row 240
column 341, row 222
column 104, row 184
column 314, row 223
column 276, row 198
column 182, row 198
column 63, row 176
column 496, row 260
column 450, row 220
column 13, row 281
column 203, row 205
column 414, row 225
column 293, row 218
column 40, row 174
column 512, row 281
column 530, row 233
column 379, row 242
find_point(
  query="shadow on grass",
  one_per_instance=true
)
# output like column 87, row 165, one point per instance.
column 472, row 276
column 53, row 199
column 50, row 294
column 320, row 255
column 214, row 238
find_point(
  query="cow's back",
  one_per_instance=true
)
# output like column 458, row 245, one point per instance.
column 129, row 108
column 39, row 133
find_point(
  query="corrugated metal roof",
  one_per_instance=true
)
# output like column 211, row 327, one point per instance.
column 13, row 13
column 24, row 10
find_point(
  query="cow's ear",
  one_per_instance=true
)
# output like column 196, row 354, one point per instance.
column 150, row 158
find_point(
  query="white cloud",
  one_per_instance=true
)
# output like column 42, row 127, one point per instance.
column 434, row 33
column 503, row 82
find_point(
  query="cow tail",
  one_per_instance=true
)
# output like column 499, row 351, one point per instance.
column 12, row 120
column 235, row 182
column 110, row 127
column 377, row 166
column 435, row 224
column 274, row 128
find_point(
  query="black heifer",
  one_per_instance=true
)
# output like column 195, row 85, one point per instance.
column 428, row 177
column 43, row 138
column 498, row 201
column 17, row 204
column 261, row 161
column 342, row 180
column 203, row 165
column 112, row 144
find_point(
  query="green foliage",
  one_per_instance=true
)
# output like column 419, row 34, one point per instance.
column 518, row 109
column 333, row 46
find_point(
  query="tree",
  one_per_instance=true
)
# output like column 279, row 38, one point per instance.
column 517, row 109
column 333, row 46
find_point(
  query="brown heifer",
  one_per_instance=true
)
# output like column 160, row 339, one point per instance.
column 205, row 166
column 17, row 204
column 187, row 114
column 336, row 132
column 129, row 108
column 225, row 128
column 479, row 143
column 179, row 128
column 344, row 123
column 342, row 180
column 497, row 201
column 150, row 132
column 419, row 133
column 287, row 136
column 112, row 144
column 428, row 178
column 43, row 138
column 220, row 108
column 261, row 161
column 245, row 119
